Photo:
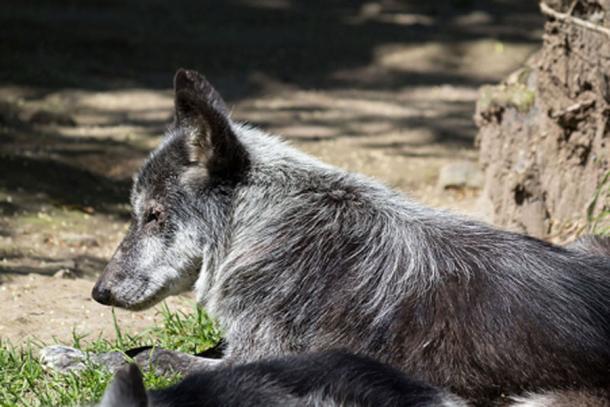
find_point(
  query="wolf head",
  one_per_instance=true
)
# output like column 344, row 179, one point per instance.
column 178, row 198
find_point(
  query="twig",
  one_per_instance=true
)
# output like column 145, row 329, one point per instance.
column 574, row 20
column 573, row 108
column 572, row 6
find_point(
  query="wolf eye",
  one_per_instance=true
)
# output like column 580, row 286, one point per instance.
column 153, row 215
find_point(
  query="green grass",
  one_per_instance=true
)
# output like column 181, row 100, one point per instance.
column 24, row 381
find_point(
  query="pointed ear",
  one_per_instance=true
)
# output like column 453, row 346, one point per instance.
column 211, row 141
column 196, row 83
column 127, row 389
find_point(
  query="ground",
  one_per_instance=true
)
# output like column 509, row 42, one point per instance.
column 383, row 88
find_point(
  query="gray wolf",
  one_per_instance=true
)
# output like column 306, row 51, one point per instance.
column 320, row 379
column 294, row 255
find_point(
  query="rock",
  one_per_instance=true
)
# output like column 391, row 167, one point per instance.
column 62, row 358
column 462, row 174
column 65, row 359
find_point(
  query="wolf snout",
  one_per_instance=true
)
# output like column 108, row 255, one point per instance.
column 102, row 293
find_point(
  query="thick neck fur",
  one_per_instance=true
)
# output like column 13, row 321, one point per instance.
column 283, row 180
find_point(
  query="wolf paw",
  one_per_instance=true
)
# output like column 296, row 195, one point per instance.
column 164, row 362
column 62, row 358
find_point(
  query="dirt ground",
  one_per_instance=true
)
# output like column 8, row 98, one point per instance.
column 383, row 88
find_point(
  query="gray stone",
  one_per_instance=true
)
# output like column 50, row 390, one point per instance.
column 461, row 174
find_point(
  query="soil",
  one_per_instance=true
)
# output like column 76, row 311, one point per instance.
column 383, row 88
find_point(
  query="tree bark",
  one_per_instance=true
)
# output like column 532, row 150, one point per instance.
column 544, row 133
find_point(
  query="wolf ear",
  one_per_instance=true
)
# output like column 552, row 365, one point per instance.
column 127, row 389
column 211, row 142
column 196, row 83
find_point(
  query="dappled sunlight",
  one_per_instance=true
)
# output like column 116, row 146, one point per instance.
column 382, row 88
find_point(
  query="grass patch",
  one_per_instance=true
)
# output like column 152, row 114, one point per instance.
column 24, row 381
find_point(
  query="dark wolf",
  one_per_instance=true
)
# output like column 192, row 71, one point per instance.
column 293, row 255
column 320, row 379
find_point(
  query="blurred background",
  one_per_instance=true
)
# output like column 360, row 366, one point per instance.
column 385, row 88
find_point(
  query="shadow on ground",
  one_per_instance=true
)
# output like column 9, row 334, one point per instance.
column 70, row 267
column 386, row 88
column 110, row 44
column 249, row 48
column 84, row 92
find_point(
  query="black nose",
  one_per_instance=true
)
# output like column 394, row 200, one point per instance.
column 102, row 294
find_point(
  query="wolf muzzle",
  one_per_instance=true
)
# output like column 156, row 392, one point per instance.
column 102, row 294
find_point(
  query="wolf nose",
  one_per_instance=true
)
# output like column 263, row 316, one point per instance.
column 102, row 294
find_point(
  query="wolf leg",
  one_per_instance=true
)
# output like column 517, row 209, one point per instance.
column 164, row 361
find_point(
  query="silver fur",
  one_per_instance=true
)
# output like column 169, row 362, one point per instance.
column 293, row 255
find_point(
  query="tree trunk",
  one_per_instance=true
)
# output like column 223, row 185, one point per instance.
column 544, row 133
